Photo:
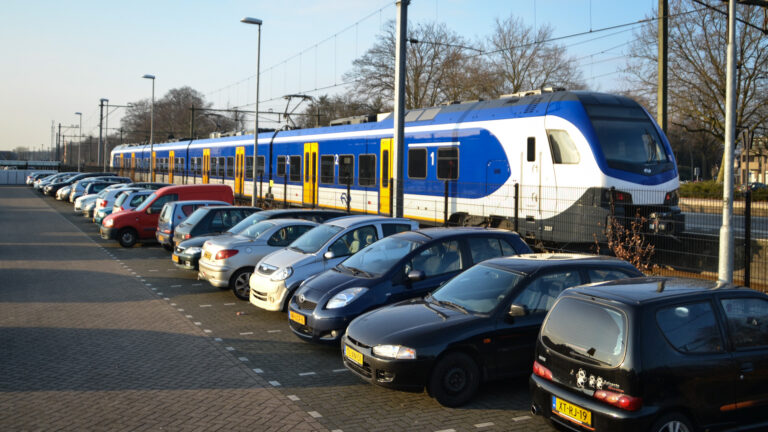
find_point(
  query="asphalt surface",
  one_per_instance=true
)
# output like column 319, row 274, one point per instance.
column 98, row 337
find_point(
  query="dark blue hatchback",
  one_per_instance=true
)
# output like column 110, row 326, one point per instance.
column 402, row 266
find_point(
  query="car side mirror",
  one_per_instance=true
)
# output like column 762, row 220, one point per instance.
column 329, row 255
column 416, row 275
column 516, row 310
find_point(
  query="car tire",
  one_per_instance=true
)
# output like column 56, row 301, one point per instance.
column 127, row 237
column 239, row 283
column 674, row 422
column 454, row 380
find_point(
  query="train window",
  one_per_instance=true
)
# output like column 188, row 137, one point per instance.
column 346, row 169
column 249, row 167
column 366, row 170
column 281, row 166
column 295, row 166
column 213, row 167
column 531, row 149
column 326, row 169
column 230, row 166
column 417, row 163
column 563, row 148
column 180, row 165
column 448, row 163
column 259, row 165
column 220, row 166
column 385, row 169
column 306, row 168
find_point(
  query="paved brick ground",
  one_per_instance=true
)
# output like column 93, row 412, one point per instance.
column 141, row 344
column 87, row 346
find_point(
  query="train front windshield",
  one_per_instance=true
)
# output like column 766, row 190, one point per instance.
column 629, row 140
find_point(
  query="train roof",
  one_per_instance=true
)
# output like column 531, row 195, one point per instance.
column 526, row 104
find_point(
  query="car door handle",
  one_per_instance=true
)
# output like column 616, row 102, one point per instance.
column 747, row 367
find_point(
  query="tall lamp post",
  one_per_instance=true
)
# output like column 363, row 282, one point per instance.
column 151, row 130
column 256, row 21
column 80, row 142
column 101, row 139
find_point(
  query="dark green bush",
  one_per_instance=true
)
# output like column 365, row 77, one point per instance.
column 713, row 189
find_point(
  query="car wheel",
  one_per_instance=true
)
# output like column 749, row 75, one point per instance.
column 454, row 379
column 127, row 237
column 674, row 422
column 239, row 283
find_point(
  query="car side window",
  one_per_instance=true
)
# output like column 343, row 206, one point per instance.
column 602, row 275
column 506, row 248
column 747, row 320
column 483, row 248
column 137, row 200
column 286, row 235
column 540, row 294
column 187, row 209
column 440, row 258
column 390, row 228
column 351, row 242
column 160, row 202
column 217, row 221
column 690, row 328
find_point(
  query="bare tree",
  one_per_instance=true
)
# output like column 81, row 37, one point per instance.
column 172, row 117
column 524, row 60
column 436, row 67
column 321, row 111
column 698, row 40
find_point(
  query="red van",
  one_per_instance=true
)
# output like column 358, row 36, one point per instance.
column 128, row 227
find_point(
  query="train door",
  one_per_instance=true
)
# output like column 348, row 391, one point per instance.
column 171, row 166
column 239, row 170
column 310, row 174
column 154, row 166
column 385, row 170
column 122, row 165
column 206, row 164
column 538, row 190
column 133, row 166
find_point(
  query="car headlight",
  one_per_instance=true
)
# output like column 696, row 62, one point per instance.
column 345, row 297
column 109, row 223
column 282, row 274
column 193, row 250
column 394, row 352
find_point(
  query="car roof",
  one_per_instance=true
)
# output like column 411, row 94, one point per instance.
column 217, row 203
column 532, row 263
column 349, row 221
column 290, row 221
column 438, row 233
column 653, row 288
column 295, row 210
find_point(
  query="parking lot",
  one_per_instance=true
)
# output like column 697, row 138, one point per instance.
column 96, row 336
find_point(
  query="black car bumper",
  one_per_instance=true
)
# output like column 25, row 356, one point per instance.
column 107, row 233
column 603, row 417
column 186, row 261
column 322, row 330
column 406, row 375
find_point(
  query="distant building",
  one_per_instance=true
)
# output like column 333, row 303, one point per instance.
column 753, row 165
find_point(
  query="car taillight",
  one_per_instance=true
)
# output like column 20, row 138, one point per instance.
column 541, row 371
column 625, row 402
column 226, row 253
column 187, row 236
column 102, row 203
column 166, row 231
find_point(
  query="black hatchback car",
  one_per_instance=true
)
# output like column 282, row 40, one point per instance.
column 481, row 325
column 654, row 354
column 402, row 266
column 211, row 219
column 187, row 254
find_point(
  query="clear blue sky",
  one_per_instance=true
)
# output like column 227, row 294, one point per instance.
column 62, row 57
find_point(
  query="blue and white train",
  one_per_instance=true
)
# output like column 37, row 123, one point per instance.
column 559, row 161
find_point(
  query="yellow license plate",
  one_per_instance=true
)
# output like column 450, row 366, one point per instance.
column 207, row 255
column 571, row 412
column 175, row 258
column 353, row 355
column 299, row 318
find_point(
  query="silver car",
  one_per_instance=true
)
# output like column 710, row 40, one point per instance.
column 278, row 274
column 228, row 261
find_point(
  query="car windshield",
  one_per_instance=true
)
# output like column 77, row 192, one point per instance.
column 315, row 238
column 121, row 199
column 247, row 222
column 377, row 258
column 165, row 214
column 586, row 331
column 478, row 290
column 146, row 202
column 256, row 230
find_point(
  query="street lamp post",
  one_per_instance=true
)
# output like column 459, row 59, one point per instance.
column 151, row 130
column 101, row 140
column 256, row 21
column 80, row 141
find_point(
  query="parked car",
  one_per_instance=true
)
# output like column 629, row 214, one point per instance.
column 211, row 220
column 129, row 227
column 52, row 188
column 228, row 261
column 129, row 199
column 62, row 192
column 91, row 193
column 173, row 214
column 279, row 274
column 79, row 187
column 150, row 185
column 481, row 325
column 187, row 253
column 104, row 204
column 83, row 201
column 654, row 354
column 40, row 184
column 31, row 177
